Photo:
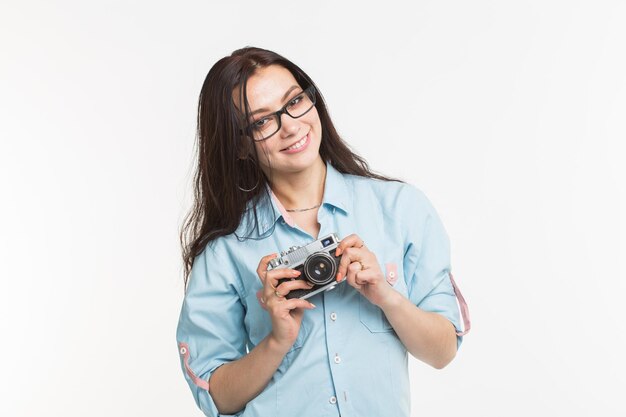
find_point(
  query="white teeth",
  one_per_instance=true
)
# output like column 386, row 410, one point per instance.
column 298, row 144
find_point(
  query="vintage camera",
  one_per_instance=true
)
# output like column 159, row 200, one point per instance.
column 316, row 262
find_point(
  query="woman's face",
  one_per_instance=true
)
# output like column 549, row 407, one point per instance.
column 295, row 147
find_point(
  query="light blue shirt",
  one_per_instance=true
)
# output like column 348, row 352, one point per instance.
column 347, row 359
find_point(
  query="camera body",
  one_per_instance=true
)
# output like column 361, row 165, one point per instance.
column 317, row 263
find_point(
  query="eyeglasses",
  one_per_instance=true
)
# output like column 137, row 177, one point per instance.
column 268, row 125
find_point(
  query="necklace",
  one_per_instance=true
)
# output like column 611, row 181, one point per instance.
column 304, row 209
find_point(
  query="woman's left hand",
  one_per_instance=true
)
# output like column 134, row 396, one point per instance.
column 362, row 271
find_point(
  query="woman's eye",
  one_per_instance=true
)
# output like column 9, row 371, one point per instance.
column 261, row 122
column 295, row 100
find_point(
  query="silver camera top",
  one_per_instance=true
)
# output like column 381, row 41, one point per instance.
column 297, row 254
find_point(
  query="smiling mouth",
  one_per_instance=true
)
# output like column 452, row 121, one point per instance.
column 298, row 144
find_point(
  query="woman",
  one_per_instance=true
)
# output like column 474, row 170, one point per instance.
column 273, row 173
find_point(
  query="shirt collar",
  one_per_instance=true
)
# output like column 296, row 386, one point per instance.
column 336, row 191
column 336, row 194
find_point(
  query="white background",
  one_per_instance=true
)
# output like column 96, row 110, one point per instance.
column 509, row 115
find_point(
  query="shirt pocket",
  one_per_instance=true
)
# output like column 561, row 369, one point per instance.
column 372, row 316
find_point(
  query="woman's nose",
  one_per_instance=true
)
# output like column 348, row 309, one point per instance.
column 289, row 126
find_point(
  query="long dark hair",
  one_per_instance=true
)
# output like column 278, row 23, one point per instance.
column 228, row 176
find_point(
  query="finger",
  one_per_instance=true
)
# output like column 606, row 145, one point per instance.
column 293, row 303
column 297, row 313
column 262, row 268
column 282, row 306
column 365, row 277
column 272, row 277
column 261, row 299
column 297, row 284
column 270, row 290
column 350, row 255
column 352, row 271
column 348, row 242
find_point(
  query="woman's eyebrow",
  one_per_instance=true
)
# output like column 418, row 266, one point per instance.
column 293, row 87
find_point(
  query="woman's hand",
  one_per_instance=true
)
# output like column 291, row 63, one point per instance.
column 362, row 271
column 286, row 314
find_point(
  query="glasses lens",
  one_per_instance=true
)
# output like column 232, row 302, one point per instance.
column 265, row 127
column 301, row 103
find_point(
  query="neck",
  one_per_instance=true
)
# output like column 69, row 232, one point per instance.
column 301, row 189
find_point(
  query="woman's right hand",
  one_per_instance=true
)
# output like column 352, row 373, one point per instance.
column 286, row 314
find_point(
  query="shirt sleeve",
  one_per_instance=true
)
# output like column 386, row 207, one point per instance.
column 211, row 324
column 427, row 259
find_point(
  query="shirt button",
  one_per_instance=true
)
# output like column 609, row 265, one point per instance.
column 333, row 400
column 337, row 359
column 333, row 316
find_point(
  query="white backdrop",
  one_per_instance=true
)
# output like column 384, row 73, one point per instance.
column 509, row 115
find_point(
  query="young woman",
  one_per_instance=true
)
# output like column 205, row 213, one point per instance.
column 273, row 173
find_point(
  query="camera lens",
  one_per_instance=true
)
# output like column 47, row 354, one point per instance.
column 320, row 269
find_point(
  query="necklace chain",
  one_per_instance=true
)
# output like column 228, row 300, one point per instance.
column 303, row 209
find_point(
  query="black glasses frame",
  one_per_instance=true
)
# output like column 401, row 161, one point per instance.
column 309, row 91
